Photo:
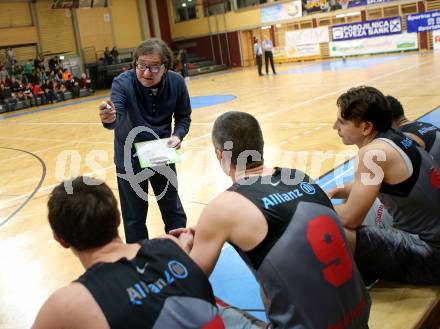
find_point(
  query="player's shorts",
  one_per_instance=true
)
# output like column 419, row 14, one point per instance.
column 392, row 254
column 235, row 318
column 378, row 216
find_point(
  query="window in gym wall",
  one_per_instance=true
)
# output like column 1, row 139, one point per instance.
column 249, row 3
column 215, row 7
column 184, row 10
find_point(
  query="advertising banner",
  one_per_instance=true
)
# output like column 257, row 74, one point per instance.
column 367, row 29
column 281, row 11
column 390, row 43
column 307, row 36
column 436, row 39
column 319, row 6
column 423, row 22
column 311, row 49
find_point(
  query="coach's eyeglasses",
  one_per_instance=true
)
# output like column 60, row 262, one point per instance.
column 152, row 68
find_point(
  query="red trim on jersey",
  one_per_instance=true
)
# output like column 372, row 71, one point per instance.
column 435, row 177
column 216, row 323
column 218, row 301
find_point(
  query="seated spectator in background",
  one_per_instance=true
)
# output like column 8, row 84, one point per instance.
column 67, row 75
column 49, row 90
column 425, row 134
column 14, row 85
column 150, row 284
column 115, row 55
column 108, row 59
column 84, row 81
column 72, row 85
column 38, row 92
column 28, row 95
column 7, row 98
column 406, row 180
column 59, row 89
column 59, row 76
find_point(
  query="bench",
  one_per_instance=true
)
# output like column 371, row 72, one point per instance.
column 401, row 306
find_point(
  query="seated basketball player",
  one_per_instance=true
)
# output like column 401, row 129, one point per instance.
column 405, row 179
column 285, row 229
column 425, row 134
column 153, row 284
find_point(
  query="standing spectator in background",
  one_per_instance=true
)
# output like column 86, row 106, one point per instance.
column 10, row 58
column 54, row 62
column 28, row 70
column 115, row 55
column 147, row 97
column 268, row 55
column 258, row 51
column 2, row 59
column 4, row 74
column 182, row 62
column 108, row 59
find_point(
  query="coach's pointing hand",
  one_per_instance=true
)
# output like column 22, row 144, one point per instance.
column 107, row 112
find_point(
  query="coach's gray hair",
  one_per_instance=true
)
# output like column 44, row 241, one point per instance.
column 154, row 46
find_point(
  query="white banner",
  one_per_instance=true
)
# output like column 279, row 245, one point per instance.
column 307, row 36
column 311, row 49
column 436, row 39
column 397, row 42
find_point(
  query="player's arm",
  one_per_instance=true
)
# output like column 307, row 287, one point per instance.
column 367, row 181
column 57, row 311
column 340, row 192
column 416, row 138
column 212, row 231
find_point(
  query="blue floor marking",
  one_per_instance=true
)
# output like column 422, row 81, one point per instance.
column 204, row 101
column 197, row 102
column 339, row 64
column 231, row 279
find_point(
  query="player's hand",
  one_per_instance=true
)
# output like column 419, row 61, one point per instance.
column 178, row 231
column 333, row 193
column 107, row 112
column 174, row 142
column 186, row 240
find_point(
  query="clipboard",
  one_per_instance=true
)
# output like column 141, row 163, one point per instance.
column 156, row 153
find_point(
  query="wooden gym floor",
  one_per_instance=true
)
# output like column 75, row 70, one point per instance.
column 296, row 109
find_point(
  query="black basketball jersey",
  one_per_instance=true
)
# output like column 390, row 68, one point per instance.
column 427, row 132
column 160, row 288
column 303, row 264
column 414, row 203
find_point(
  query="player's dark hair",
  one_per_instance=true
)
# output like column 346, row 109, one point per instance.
column 84, row 213
column 244, row 131
column 361, row 104
column 395, row 107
